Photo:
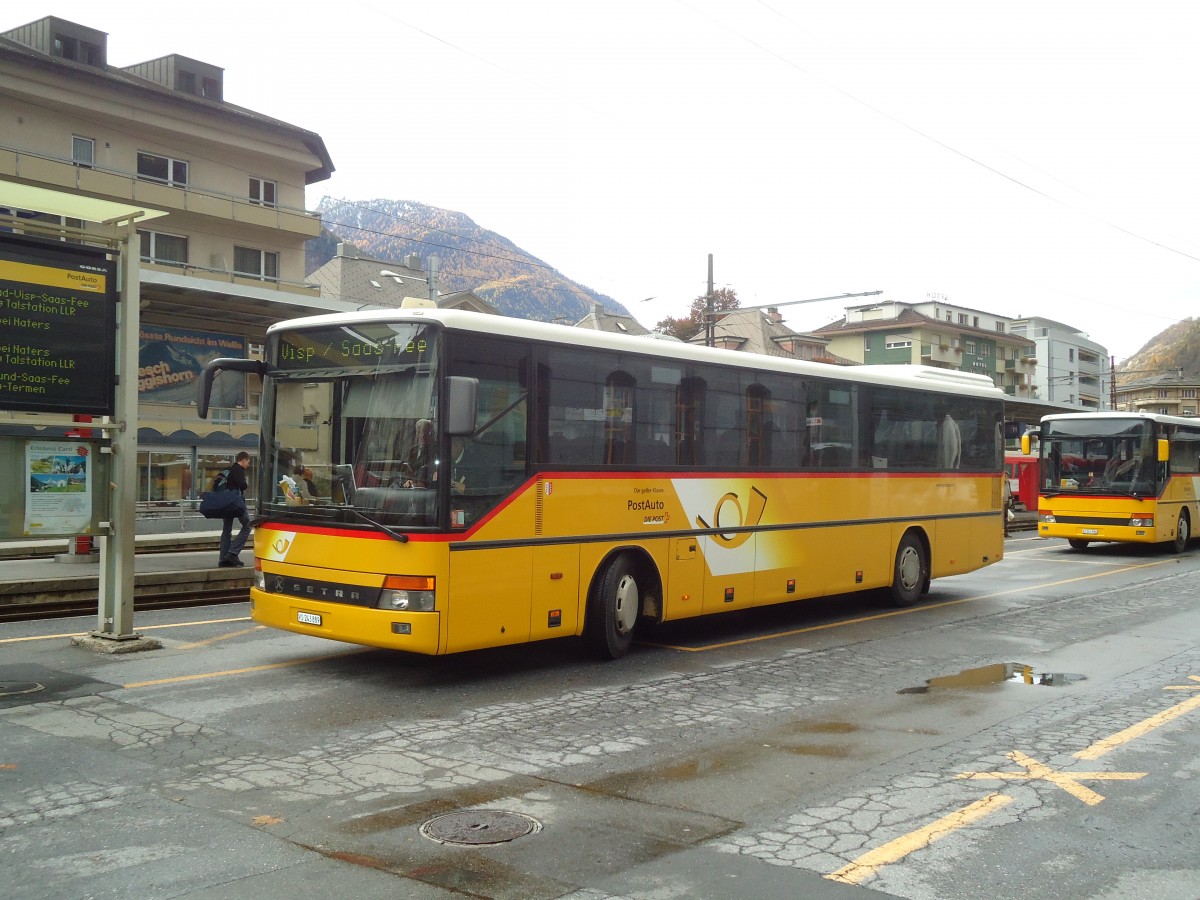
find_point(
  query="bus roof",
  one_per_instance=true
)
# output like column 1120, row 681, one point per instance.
column 929, row 378
column 1117, row 414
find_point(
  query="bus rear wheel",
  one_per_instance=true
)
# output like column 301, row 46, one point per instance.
column 1183, row 532
column 910, row 575
column 1078, row 543
column 614, row 605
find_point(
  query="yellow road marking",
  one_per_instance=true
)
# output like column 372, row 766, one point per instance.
column 1099, row 748
column 220, row 637
column 1185, row 687
column 926, row 607
column 249, row 669
column 1069, row 782
column 893, row 851
column 866, row 865
column 71, row 634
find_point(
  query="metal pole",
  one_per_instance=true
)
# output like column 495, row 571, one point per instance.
column 710, row 325
column 114, row 618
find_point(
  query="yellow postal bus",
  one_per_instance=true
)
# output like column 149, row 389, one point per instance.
column 474, row 481
column 1114, row 476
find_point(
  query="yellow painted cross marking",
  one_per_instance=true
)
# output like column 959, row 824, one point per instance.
column 893, row 851
column 1069, row 782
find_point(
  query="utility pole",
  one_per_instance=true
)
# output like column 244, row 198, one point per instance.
column 710, row 325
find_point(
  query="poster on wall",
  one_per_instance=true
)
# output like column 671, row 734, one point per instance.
column 58, row 489
column 170, row 361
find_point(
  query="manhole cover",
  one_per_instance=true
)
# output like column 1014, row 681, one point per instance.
column 479, row 826
column 12, row 688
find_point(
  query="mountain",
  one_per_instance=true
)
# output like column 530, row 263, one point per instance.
column 1176, row 348
column 470, row 258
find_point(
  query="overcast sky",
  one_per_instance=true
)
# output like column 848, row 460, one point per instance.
column 1021, row 158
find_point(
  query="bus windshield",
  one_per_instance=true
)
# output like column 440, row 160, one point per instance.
column 351, row 422
column 1098, row 455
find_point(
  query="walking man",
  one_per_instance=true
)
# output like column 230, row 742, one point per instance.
column 231, row 547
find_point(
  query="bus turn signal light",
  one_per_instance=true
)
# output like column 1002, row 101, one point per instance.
column 411, row 593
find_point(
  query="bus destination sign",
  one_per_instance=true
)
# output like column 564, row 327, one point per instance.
column 57, row 327
column 355, row 348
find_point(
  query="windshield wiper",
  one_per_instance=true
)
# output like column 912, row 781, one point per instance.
column 397, row 536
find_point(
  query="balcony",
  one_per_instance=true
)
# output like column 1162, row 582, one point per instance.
column 941, row 354
column 1026, row 365
column 97, row 181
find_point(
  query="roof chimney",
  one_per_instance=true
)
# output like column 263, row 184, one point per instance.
column 345, row 248
column 774, row 315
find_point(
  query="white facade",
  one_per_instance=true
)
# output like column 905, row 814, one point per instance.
column 1072, row 369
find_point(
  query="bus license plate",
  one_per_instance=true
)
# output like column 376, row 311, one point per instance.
column 308, row 618
column 1081, row 531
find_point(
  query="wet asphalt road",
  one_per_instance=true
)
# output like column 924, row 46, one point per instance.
column 793, row 752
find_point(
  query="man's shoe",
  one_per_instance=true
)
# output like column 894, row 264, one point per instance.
column 228, row 563
column 236, row 563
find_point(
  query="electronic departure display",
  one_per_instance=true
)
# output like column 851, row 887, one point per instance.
column 57, row 327
column 356, row 347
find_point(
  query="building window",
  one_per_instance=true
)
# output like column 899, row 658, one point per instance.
column 985, row 349
column 77, row 50
column 896, row 345
column 1188, row 393
column 969, row 348
column 1160, row 394
column 1189, row 410
column 1071, row 355
column 168, row 249
column 962, row 318
column 256, row 263
column 83, row 151
column 262, row 192
column 1000, row 327
column 210, row 88
column 153, row 167
column 185, row 82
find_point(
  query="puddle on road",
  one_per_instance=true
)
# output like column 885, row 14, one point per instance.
column 997, row 673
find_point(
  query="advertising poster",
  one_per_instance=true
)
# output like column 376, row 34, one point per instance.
column 170, row 361
column 58, row 490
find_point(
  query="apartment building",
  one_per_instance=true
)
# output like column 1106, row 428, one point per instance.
column 1071, row 369
column 936, row 333
column 224, row 263
column 1171, row 394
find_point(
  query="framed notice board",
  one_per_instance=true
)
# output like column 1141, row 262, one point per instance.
column 57, row 327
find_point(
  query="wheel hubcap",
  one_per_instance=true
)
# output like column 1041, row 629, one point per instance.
column 626, row 604
column 910, row 569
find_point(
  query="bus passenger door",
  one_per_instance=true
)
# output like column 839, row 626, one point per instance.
column 556, row 601
column 489, row 598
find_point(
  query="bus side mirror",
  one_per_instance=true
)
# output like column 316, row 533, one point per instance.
column 1164, row 449
column 212, row 367
column 460, row 404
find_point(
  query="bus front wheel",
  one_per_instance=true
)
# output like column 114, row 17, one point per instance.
column 910, row 577
column 1183, row 532
column 613, row 608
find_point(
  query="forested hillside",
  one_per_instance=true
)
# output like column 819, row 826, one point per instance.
column 470, row 258
column 1176, row 348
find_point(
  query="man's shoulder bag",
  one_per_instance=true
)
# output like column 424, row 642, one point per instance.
column 222, row 502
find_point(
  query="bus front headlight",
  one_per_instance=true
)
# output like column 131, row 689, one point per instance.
column 1141, row 521
column 1046, row 518
column 410, row 593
